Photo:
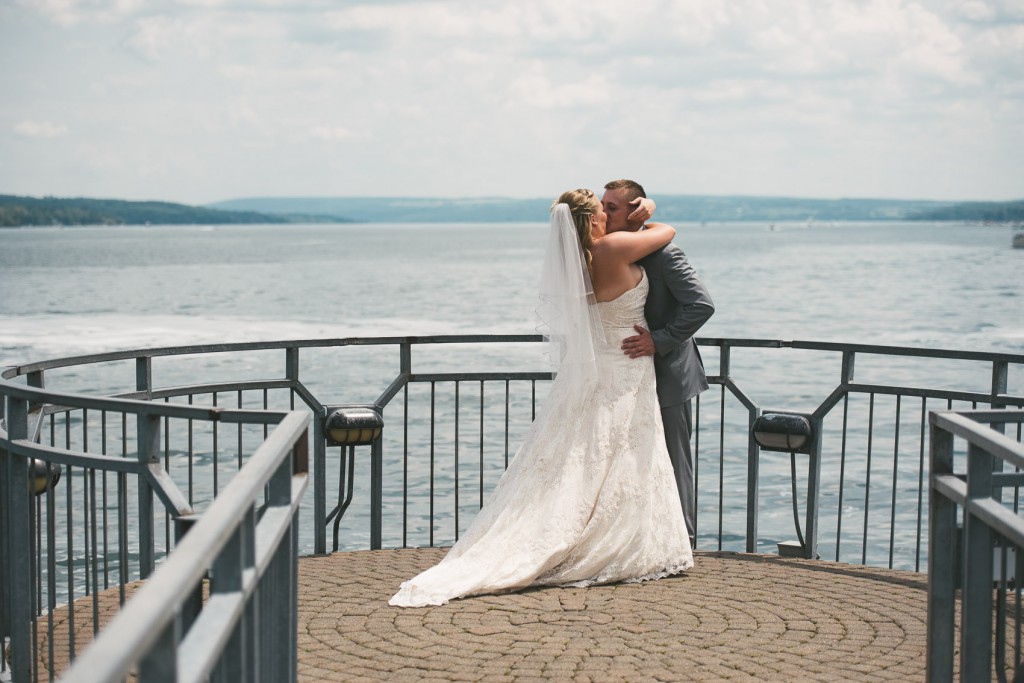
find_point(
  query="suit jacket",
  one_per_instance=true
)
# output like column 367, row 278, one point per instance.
column 677, row 306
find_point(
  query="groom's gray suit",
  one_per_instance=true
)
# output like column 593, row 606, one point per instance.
column 677, row 306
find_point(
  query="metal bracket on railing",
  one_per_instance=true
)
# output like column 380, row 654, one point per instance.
column 348, row 427
column 786, row 433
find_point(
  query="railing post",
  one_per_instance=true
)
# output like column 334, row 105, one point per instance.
column 148, row 445
column 1000, row 379
column 278, row 655
column 17, row 544
column 753, row 481
column 160, row 663
column 813, row 490
column 192, row 606
column 149, row 430
column 376, row 492
column 849, row 362
column 319, row 486
column 226, row 578
column 291, row 371
column 941, row 561
column 144, row 376
column 5, row 612
column 5, row 551
column 976, row 597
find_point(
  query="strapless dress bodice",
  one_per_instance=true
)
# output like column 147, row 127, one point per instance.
column 627, row 309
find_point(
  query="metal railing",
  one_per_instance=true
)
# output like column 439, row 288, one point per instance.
column 72, row 541
column 450, row 430
column 989, row 553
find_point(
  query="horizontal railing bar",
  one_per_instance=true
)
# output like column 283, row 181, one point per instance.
column 64, row 401
column 893, row 390
column 989, row 440
column 952, row 487
column 247, row 385
column 907, row 351
column 63, row 456
column 155, row 603
column 994, row 416
column 14, row 371
column 477, row 376
column 745, row 343
column 998, row 518
column 1006, row 479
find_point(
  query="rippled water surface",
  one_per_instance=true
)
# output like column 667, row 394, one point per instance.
column 84, row 290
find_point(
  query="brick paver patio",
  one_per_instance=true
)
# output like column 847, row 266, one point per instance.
column 732, row 617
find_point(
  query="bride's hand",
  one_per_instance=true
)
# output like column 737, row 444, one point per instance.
column 644, row 210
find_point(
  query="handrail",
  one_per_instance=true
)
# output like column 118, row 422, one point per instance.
column 19, row 370
column 162, row 597
column 989, row 529
column 267, row 543
column 730, row 440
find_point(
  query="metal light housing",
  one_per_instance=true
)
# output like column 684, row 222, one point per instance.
column 43, row 476
column 352, row 425
column 783, row 432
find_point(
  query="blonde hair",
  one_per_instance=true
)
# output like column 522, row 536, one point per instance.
column 582, row 203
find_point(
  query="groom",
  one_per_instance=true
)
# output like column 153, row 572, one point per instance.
column 677, row 306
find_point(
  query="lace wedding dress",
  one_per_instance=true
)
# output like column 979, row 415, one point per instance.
column 590, row 496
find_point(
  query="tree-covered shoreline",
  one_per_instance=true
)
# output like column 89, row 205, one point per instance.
column 16, row 211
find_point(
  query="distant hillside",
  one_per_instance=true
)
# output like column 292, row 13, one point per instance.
column 16, row 211
column 689, row 208
column 400, row 209
column 993, row 212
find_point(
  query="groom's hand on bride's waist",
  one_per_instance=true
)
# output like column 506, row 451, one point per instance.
column 641, row 344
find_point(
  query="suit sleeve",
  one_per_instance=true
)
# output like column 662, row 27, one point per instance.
column 693, row 303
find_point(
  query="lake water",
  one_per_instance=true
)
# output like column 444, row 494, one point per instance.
column 72, row 291
column 91, row 289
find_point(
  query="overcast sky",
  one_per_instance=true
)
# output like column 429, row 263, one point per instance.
column 205, row 100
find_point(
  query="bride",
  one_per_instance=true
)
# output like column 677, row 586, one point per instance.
column 590, row 496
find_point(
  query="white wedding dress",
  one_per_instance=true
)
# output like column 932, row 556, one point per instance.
column 590, row 496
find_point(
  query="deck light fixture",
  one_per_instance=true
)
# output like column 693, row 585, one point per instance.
column 787, row 433
column 44, row 475
column 784, row 432
column 352, row 425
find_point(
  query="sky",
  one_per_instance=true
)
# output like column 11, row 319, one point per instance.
column 205, row 100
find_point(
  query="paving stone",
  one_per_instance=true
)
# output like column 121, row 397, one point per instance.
column 734, row 616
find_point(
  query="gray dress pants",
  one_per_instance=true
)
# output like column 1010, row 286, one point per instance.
column 678, row 421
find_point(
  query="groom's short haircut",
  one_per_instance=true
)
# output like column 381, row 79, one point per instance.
column 632, row 188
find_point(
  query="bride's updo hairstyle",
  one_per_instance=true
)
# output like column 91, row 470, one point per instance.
column 582, row 205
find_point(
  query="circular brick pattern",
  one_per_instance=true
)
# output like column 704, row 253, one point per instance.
column 733, row 616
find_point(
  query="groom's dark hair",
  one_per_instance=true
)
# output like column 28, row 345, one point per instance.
column 633, row 189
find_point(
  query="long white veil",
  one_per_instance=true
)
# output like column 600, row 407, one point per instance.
column 569, row 320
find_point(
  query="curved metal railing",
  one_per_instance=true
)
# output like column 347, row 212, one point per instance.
column 982, row 554
column 451, row 422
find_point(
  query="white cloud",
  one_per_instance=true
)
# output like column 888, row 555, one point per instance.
column 40, row 129
column 500, row 97
column 330, row 133
column 73, row 12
